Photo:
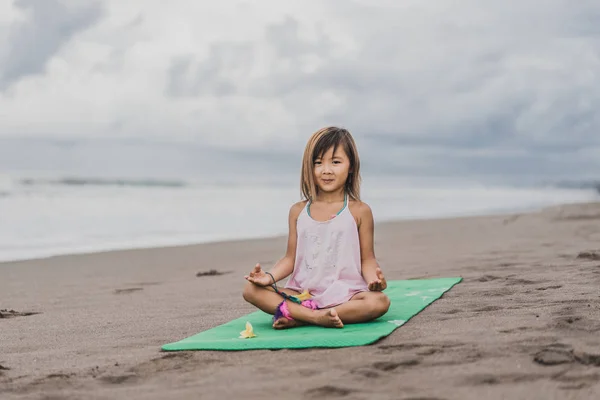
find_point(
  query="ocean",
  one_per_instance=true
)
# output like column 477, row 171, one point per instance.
column 46, row 215
column 77, row 195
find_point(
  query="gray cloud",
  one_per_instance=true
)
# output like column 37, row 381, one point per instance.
column 188, row 79
column 50, row 24
column 506, row 83
column 438, row 87
column 485, row 78
column 228, row 67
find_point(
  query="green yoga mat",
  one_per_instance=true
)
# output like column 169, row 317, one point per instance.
column 408, row 298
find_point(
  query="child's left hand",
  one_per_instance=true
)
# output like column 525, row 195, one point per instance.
column 379, row 284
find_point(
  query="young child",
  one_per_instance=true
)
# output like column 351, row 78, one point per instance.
column 335, row 278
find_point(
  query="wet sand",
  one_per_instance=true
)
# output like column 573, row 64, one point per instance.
column 523, row 324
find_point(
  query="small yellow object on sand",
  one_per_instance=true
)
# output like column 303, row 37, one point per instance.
column 248, row 332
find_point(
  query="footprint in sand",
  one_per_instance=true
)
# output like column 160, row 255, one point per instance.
column 444, row 354
column 59, row 376
column 429, row 351
column 576, row 386
column 366, row 372
column 168, row 362
column 387, row 366
column 555, row 354
column 589, row 255
column 488, row 308
column 181, row 361
column 508, row 264
column 329, row 391
column 559, row 353
column 212, row 272
column 488, row 278
column 410, row 346
column 515, row 330
column 549, row 287
column 498, row 292
column 13, row 314
column 128, row 290
column 55, row 379
column 2, row 369
column 496, row 379
column 118, row 379
column 453, row 311
column 567, row 320
column 521, row 282
column 588, row 359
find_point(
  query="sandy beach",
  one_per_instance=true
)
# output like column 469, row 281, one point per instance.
column 523, row 324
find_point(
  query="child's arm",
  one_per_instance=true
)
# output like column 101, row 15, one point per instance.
column 284, row 267
column 371, row 271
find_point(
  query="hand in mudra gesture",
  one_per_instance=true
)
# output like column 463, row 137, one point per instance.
column 378, row 284
column 259, row 277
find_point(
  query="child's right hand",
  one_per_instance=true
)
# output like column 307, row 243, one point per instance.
column 259, row 277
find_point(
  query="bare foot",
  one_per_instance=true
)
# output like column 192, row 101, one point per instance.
column 329, row 318
column 284, row 323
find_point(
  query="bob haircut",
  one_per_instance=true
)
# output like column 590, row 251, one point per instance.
column 320, row 142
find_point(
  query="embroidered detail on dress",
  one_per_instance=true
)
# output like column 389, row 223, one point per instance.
column 335, row 240
column 311, row 259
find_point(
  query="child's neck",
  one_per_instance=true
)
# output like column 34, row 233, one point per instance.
column 333, row 197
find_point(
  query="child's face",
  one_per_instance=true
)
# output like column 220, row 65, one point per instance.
column 331, row 171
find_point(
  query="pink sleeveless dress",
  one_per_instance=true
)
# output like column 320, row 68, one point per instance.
column 328, row 261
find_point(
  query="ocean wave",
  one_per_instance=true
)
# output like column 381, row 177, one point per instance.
column 591, row 184
column 6, row 185
column 103, row 182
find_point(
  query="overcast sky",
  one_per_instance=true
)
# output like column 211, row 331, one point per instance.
column 434, row 85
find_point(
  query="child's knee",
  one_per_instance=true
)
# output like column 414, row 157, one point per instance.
column 249, row 292
column 382, row 304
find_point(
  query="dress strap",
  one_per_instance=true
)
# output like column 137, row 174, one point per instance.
column 338, row 213
column 345, row 203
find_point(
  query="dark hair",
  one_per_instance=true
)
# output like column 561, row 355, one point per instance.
column 319, row 143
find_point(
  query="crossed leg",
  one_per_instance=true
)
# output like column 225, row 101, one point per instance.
column 267, row 300
column 362, row 307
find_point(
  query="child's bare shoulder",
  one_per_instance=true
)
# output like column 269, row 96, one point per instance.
column 360, row 210
column 296, row 208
